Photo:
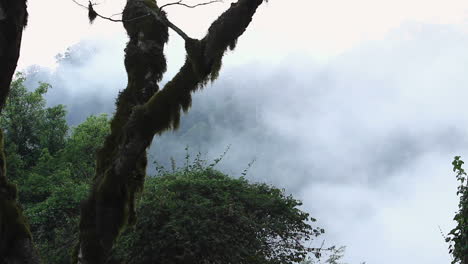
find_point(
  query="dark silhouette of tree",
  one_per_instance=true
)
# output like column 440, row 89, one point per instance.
column 15, row 238
column 143, row 110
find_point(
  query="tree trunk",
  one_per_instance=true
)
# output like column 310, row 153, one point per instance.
column 143, row 111
column 15, row 239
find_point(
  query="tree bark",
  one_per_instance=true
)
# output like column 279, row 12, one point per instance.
column 143, row 111
column 15, row 239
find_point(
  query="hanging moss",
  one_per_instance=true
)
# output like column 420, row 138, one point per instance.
column 149, row 25
column 91, row 13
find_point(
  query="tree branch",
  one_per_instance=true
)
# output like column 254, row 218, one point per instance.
column 156, row 14
column 76, row 2
column 190, row 6
column 91, row 9
column 163, row 110
column 176, row 29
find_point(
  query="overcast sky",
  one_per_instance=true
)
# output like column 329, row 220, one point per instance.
column 360, row 107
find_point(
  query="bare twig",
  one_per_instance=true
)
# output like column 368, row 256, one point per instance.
column 116, row 14
column 76, row 2
column 157, row 15
column 108, row 18
column 190, row 6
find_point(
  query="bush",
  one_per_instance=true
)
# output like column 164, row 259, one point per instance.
column 200, row 215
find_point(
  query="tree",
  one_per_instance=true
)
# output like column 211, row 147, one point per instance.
column 199, row 215
column 29, row 127
column 142, row 111
column 15, row 238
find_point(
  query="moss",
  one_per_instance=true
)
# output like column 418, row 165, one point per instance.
column 215, row 68
column 149, row 25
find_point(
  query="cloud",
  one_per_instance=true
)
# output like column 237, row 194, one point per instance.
column 86, row 79
column 365, row 139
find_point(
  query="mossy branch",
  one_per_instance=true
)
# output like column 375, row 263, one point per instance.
column 163, row 110
column 203, row 60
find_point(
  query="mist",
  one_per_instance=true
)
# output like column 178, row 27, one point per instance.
column 364, row 139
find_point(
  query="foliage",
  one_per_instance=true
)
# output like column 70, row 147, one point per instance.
column 458, row 237
column 29, row 127
column 52, row 167
column 84, row 142
column 54, row 222
column 199, row 215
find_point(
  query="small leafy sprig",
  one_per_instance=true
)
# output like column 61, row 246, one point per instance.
column 458, row 237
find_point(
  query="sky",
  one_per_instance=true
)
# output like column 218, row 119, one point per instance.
column 355, row 107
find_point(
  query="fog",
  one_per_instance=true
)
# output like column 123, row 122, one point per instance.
column 365, row 139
